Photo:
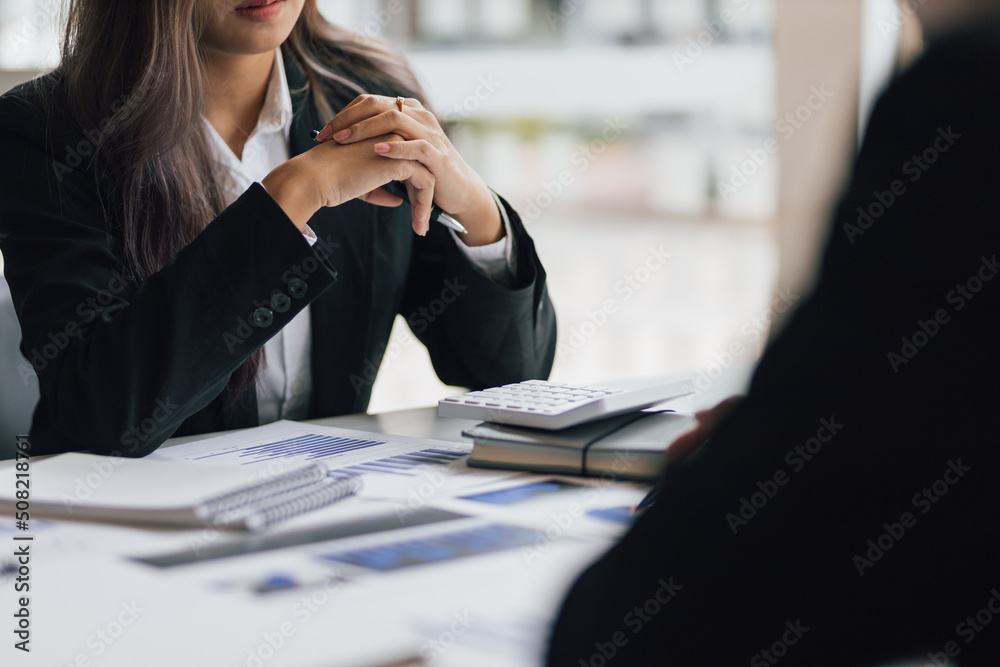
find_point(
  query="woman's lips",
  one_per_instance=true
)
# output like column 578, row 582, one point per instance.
column 260, row 10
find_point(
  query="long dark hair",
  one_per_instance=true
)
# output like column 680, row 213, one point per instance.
column 135, row 70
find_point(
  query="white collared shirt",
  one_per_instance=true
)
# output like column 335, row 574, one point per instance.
column 284, row 385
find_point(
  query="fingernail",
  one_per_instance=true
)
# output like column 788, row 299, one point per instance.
column 382, row 148
column 342, row 135
column 324, row 134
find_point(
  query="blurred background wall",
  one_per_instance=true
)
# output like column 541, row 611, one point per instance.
column 663, row 153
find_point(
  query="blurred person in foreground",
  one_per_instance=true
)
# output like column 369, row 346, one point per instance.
column 845, row 512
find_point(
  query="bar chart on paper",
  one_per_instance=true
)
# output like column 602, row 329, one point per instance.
column 443, row 547
column 341, row 450
column 308, row 446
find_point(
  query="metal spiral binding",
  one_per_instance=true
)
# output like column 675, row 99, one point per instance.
column 262, row 517
column 235, row 504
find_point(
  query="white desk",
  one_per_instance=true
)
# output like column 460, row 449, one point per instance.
column 94, row 605
column 424, row 422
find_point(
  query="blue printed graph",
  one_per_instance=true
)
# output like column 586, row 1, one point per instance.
column 438, row 548
column 623, row 515
column 406, row 464
column 314, row 446
column 520, row 494
column 311, row 446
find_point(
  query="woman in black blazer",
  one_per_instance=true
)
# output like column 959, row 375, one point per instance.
column 165, row 213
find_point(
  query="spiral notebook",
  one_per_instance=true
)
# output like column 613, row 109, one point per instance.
column 87, row 487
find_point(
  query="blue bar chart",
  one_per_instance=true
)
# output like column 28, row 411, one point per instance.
column 407, row 464
column 437, row 548
column 311, row 447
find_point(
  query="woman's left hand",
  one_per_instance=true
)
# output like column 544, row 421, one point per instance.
column 459, row 190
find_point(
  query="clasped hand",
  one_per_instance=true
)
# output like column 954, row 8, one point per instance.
column 412, row 134
column 372, row 142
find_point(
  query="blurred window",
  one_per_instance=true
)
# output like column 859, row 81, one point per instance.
column 631, row 135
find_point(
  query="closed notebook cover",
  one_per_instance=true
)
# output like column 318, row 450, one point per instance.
column 628, row 446
column 575, row 437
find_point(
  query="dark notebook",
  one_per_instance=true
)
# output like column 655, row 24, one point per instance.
column 628, row 446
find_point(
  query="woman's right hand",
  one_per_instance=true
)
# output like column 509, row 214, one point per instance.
column 331, row 174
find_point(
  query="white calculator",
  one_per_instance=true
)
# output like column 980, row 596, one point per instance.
column 554, row 405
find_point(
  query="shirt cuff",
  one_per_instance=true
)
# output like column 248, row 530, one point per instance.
column 497, row 261
column 310, row 235
column 307, row 231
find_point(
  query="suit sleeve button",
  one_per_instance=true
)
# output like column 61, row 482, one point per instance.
column 297, row 288
column 262, row 317
column 280, row 303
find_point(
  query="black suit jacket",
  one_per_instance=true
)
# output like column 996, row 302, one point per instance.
column 847, row 513
column 122, row 366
